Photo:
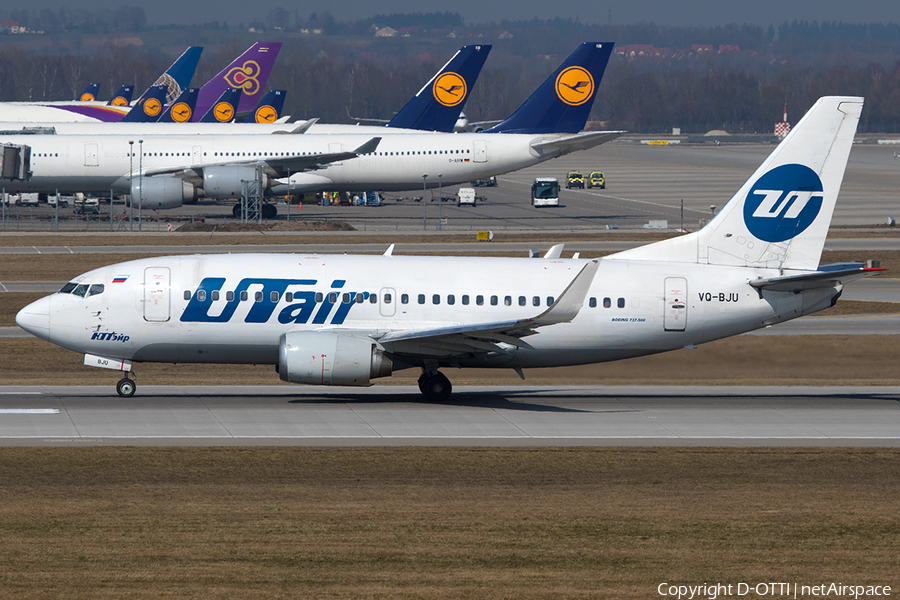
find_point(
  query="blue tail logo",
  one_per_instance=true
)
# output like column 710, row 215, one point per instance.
column 783, row 203
column 449, row 89
column 574, row 86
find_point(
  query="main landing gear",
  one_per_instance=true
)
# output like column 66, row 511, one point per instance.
column 435, row 386
column 269, row 211
column 126, row 386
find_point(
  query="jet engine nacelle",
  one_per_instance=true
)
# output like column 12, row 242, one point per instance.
column 161, row 192
column 225, row 182
column 325, row 358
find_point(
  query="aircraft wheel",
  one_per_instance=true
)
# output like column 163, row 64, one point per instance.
column 436, row 388
column 236, row 211
column 126, row 387
column 269, row 211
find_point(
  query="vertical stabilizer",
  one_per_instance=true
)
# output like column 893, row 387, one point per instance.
column 563, row 102
column 149, row 108
column 182, row 109
column 224, row 109
column 780, row 216
column 248, row 72
column 436, row 107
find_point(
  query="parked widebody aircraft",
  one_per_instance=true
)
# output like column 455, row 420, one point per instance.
column 345, row 320
column 174, row 168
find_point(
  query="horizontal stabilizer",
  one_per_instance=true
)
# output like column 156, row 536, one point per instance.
column 826, row 276
column 582, row 141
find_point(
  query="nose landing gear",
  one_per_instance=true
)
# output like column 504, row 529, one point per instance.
column 435, row 386
column 126, row 386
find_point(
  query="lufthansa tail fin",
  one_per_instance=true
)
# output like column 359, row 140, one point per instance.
column 149, row 108
column 248, row 72
column 269, row 108
column 90, row 93
column 122, row 97
column 182, row 109
column 437, row 106
column 780, row 216
column 179, row 75
column 224, row 109
column 563, row 102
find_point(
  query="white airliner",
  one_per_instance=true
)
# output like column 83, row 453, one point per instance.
column 345, row 320
column 164, row 170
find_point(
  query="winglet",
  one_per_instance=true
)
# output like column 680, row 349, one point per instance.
column 555, row 251
column 368, row 146
column 389, row 251
column 570, row 301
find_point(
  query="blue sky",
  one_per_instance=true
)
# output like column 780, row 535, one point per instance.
column 670, row 12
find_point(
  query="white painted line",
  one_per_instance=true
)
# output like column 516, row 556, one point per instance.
column 22, row 393
column 36, row 249
column 29, row 411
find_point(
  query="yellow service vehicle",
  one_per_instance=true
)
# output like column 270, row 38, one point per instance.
column 574, row 179
column 597, row 180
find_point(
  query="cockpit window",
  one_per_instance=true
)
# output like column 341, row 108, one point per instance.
column 95, row 289
column 67, row 289
column 80, row 290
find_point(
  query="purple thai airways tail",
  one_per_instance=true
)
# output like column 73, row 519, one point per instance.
column 248, row 72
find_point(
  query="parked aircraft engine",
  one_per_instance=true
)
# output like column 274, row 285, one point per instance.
column 225, row 182
column 161, row 192
column 323, row 358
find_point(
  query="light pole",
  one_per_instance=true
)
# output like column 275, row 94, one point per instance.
column 440, row 203
column 424, row 201
column 131, row 180
column 141, row 181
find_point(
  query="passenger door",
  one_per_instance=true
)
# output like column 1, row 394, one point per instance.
column 156, row 294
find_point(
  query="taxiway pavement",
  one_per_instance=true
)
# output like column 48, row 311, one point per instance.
column 474, row 416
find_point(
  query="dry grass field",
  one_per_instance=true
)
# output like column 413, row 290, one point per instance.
column 436, row 523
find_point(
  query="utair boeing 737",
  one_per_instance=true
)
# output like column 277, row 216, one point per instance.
column 345, row 320
column 165, row 170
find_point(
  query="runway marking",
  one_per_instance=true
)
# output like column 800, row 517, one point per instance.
column 29, row 411
column 454, row 437
column 21, row 393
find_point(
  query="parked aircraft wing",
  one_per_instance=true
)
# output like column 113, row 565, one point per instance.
column 826, row 276
column 279, row 167
column 581, row 141
column 486, row 337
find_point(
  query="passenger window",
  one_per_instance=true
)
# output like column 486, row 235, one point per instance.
column 607, row 303
column 332, row 297
column 80, row 290
column 229, row 296
column 187, row 294
column 404, row 299
column 346, row 298
column 493, row 300
column 421, row 298
column 507, row 301
column 244, row 296
column 592, row 303
column 465, row 299
column 536, row 301
column 620, row 303
column 359, row 297
column 257, row 296
column 215, row 295
column 549, row 300
column 319, row 296
column 522, row 300
column 373, row 298
column 451, row 299
column 201, row 295
column 273, row 296
column 289, row 296
column 436, row 299
column 479, row 300
column 95, row 289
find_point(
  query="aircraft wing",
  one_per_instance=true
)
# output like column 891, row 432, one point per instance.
column 488, row 337
column 826, row 276
column 279, row 166
column 574, row 143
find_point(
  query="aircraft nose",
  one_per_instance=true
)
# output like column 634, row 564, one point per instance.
column 35, row 318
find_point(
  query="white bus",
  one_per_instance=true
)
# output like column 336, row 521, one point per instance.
column 545, row 192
